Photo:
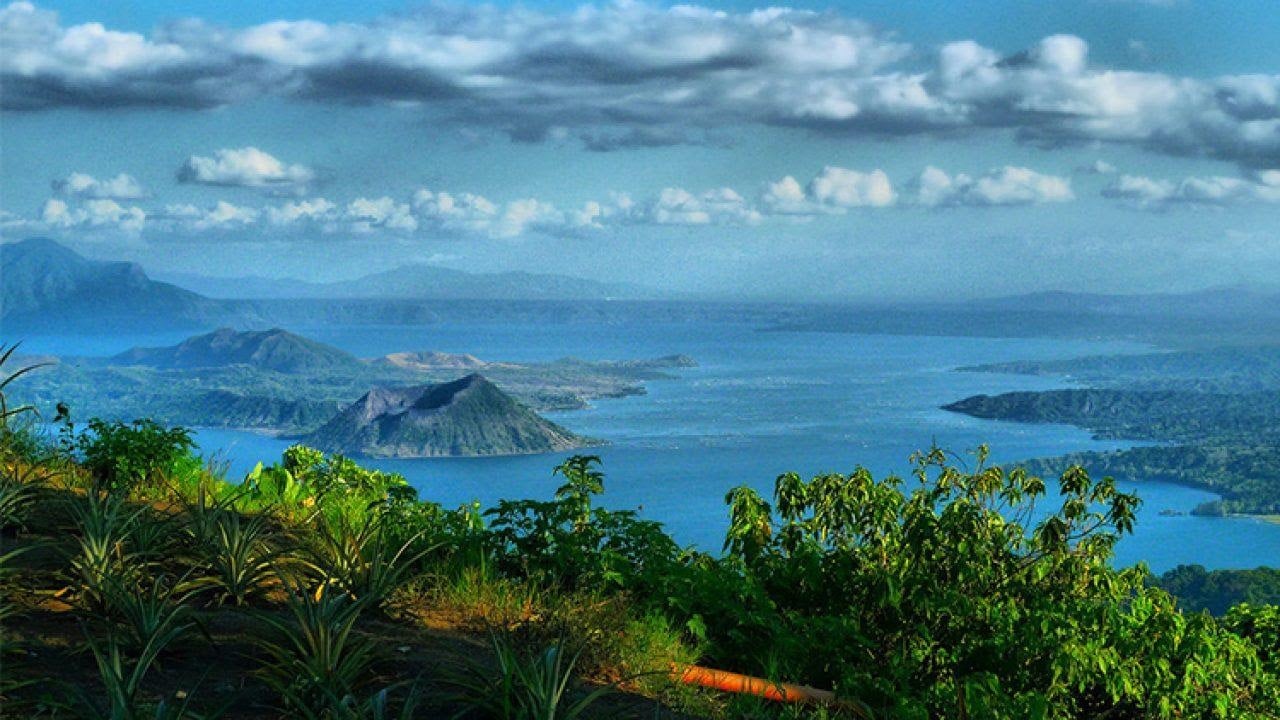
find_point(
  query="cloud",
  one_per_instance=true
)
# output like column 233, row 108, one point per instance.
column 677, row 206
column 842, row 188
column 221, row 216
column 786, row 197
column 243, row 167
column 1153, row 193
column 367, row 214
column 1097, row 167
column 99, row 213
column 1008, row 185
column 833, row 190
column 440, row 213
column 120, row 187
column 314, row 210
column 632, row 75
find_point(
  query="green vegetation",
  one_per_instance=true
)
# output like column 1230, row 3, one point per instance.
column 1217, row 411
column 941, row 595
column 1248, row 477
column 1219, row 590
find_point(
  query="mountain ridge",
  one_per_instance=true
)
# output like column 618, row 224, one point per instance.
column 416, row 281
column 275, row 349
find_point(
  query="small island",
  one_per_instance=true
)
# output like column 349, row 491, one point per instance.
column 469, row 416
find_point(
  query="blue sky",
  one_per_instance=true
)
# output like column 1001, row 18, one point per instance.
column 852, row 150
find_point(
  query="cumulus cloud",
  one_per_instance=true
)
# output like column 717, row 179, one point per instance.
column 82, row 185
column 440, row 213
column 678, row 206
column 833, row 190
column 1008, row 185
column 243, row 167
column 786, row 197
column 632, row 74
column 314, row 210
column 368, row 214
column 99, row 213
column 1154, row 193
column 221, row 216
column 843, row 188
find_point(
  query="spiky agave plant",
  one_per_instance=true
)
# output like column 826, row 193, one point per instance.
column 153, row 534
column 150, row 609
column 316, row 662
column 236, row 551
column 239, row 556
column 16, row 499
column 524, row 685
column 101, row 558
column 360, row 558
column 16, row 487
column 122, row 680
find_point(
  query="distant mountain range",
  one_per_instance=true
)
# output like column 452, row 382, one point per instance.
column 48, row 288
column 417, row 281
column 46, row 285
column 469, row 416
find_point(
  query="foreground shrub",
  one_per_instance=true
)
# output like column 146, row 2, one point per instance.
column 122, row 456
column 961, row 598
column 570, row 544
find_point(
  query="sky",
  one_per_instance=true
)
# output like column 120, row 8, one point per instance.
column 829, row 151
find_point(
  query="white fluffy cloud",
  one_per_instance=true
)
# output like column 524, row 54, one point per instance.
column 677, row 206
column 243, row 167
column 221, row 216
column 368, row 214
column 833, row 190
column 82, row 185
column 1147, row 192
column 98, row 213
column 440, row 213
column 844, row 188
column 1008, row 185
column 630, row 74
column 315, row 210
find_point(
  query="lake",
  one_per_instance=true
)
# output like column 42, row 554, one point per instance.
column 759, row 404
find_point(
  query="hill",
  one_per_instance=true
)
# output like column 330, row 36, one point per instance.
column 469, row 416
column 418, row 281
column 273, row 349
column 1234, row 369
column 47, row 285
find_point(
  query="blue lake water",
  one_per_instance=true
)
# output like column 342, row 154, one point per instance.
column 760, row 403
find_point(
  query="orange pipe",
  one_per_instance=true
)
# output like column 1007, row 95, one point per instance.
column 748, row 685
